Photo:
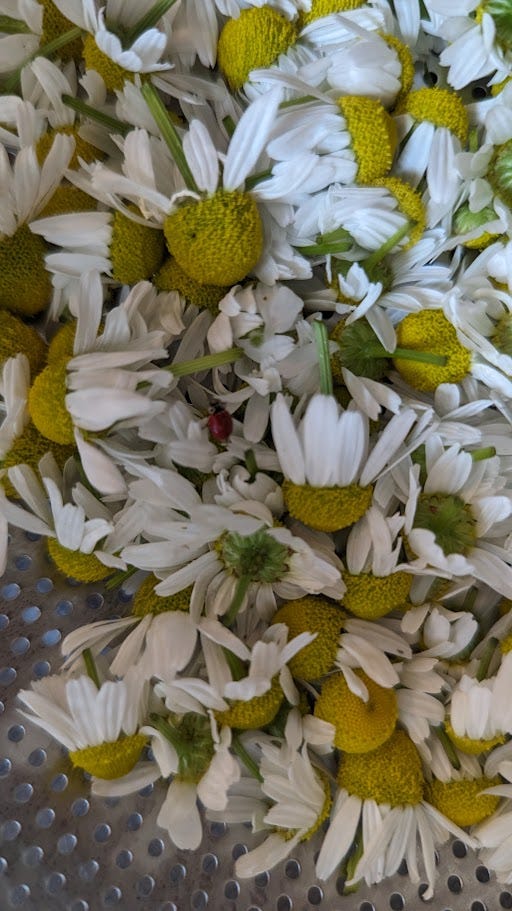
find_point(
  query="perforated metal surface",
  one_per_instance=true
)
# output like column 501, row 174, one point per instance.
column 62, row 849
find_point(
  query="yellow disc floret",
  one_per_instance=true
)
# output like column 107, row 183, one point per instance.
column 314, row 615
column 61, row 345
column 462, row 801
column 18, row 338
column 217, row 240
column 321, row 8
column 409, row 203
column 255, row 39
column 360, row 726
column 471, row 746
column 406, row 61
column 67, row 199
column 83, row 149
column 371, row 597
column 113, row 75
column 25, row 285
column 46, row 404
column 373, row 136
column 171, row 277
column 110, row 760
column 76, row 565
column 429, row 330
column 327, row 508
column 146, row 601
column 391, row 774
column 55, row 25
column 439, row 106
column 256, row 712
column 136, row 251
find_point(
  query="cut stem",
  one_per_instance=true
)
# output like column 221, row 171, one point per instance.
column 303, row 99
column 378, row 255
column 485, row 660
column 117, row 579
column 149, row 20
column 240, row 751
column 208, row 362
column 90, row 667
column 486, row 452
column 111, row 123
column 169, row 133
column 337, row 241
column 10, row 26
column 238, row 599
column 447, row 746
column 235, row 664
column 46, row 51
column 324, row 357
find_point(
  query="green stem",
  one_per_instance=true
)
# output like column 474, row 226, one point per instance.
column 147, row 21
column 90, row 667
column 208, row 362
column 169, row 133
column 469, row 600
column 81, row 107
column 353, row 861
column 486, row 452
column 243, row 755
column 46, row 51
column 447, row 746
column 10, row 26
column 303, row 99
column 257, row 178
column 250, row 463
column 378, row 255
column 407, row 354
column 235, row 664
column 324, row 357
column 337, row 241
column 485, row 660
column 117, row 579
column 229, row 125
column 240, row 592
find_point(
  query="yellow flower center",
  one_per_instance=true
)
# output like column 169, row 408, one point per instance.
column 321, row 8
column 461, row 801
column 83, row 148
column 146, row 601
column 314, row 615
column 391, row 774
column 429, row 330
column 506, row 644
column 55, row 25
column 171, row 277
column 76, row 565
column 46, row 404
column 468, row 745
column 61, row 345
column 256, row 712
column 110, row 760
column 25, row 285
column 409, row 203
column 327, row 508
column 113, row 75
column 373, row 136
column 136, row 251
column 28, row 449
column 371, row 597
column 406, row 62
column 217, row 240
column 67, row 199
column 254, row 40
column 360, row 726
column 439, row 106
column 18, row 338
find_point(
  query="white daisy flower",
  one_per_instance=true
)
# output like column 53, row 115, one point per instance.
column 480, row 713
column 99, row 724
column 328, row 462
column 444, row 633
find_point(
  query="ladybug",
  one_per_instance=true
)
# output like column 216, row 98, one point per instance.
column 220, row 424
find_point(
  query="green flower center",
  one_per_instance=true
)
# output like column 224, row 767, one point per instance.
column 258, row 556
column 450, row 519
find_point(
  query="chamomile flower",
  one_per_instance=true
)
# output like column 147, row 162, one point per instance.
column 99, row 724
column 382, row 791
column 453, row 519
column 479, row 712
column 328, row 484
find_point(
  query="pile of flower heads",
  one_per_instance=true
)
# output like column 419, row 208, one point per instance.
column 256, row 345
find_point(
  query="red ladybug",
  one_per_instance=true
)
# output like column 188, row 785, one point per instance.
column 220, row 424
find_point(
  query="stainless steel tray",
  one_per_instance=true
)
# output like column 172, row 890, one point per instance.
column 62, row 849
